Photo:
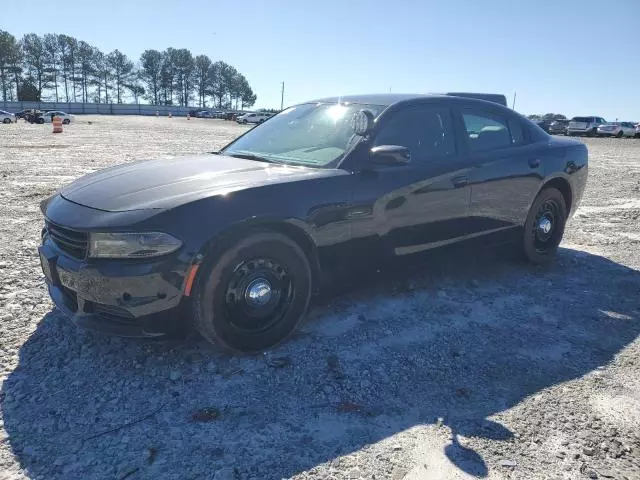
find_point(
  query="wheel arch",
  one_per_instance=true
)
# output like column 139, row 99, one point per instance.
column 563, row 185
column 216, row 245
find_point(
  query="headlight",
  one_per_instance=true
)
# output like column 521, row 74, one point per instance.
column 131, row 245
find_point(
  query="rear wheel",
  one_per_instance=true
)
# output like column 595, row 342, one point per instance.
column 6, row 120
column 40, row 121
column 66, row 121
column 544, row 227
column 620, row 134
column 254, row 295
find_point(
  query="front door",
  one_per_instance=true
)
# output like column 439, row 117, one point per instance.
column 413, row 207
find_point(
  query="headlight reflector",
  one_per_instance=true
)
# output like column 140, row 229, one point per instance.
column 131, row 245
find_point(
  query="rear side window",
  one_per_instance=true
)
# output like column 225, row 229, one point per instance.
column 427, row 132
column 486, row 131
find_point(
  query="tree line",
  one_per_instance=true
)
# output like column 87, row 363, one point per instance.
column 58, row 67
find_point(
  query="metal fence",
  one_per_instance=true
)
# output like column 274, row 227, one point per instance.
column 97, row 108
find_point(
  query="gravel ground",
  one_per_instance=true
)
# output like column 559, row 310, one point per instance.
column 479, row 367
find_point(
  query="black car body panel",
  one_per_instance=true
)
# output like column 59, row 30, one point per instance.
column 165, row 184
column 352, row 212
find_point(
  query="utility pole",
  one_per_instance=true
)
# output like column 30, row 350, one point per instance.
column 282, row 98
column 513, row 105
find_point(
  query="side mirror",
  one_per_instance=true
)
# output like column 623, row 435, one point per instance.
column 390, row 155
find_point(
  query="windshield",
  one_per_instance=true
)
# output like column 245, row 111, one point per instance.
column 313, row 134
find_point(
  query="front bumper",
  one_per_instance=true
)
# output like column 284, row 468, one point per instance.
column 125, row 298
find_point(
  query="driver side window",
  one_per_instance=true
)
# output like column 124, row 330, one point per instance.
column 426, row 132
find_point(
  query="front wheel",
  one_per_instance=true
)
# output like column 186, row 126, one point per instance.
column 544, row 226
column 254, row 295
column 6, row 120
column 40, row 121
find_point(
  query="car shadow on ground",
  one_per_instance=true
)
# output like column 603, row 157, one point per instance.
column 469, row 340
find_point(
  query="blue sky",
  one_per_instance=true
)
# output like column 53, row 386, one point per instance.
column 562, row 56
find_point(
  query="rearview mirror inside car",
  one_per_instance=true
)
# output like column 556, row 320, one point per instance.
column 390, row 155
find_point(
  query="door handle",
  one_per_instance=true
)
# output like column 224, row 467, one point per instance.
column 460, row 181
column 534, row 162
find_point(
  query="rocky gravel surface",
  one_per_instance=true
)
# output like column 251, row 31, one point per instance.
column 473, row 367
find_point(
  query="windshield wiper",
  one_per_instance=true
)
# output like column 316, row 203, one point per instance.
column 250, row 156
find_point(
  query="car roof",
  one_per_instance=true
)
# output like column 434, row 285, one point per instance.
column 372, row 99
column 387, row 99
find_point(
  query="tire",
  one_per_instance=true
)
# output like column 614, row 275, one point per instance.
column 540, row 246
column 593, row 132
column 244, row 122
column 66, row 121
column 224, row 313
column 40, row 121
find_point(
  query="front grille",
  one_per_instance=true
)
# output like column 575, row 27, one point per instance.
column 112, row 313
column 71, row 241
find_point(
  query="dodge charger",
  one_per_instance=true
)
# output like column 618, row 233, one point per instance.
column 236, row 242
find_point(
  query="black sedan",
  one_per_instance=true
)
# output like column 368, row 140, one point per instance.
column 238, row 241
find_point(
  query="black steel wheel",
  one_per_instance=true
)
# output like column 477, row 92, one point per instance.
column 253, row 295
column 544, row 226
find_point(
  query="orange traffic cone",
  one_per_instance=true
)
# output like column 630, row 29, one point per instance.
column 57, row 124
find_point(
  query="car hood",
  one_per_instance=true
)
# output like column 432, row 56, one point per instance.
column 169, row 183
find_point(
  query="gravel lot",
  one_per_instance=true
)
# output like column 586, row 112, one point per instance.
column 478, row 367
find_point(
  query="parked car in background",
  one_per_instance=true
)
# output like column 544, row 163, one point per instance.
column 585, row 126
column 230, row 115
column 543, row 124
column 558, row 127
column 7, row 117
column 617, row 129
column 67, row 118
column 237, row 242
column 253, row 118
column 204, row 114
column 638, row 130
column 23, row 113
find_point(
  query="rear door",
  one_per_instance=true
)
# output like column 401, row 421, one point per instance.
column 507, row 168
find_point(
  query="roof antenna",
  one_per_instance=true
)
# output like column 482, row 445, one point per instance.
column 513, row 105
